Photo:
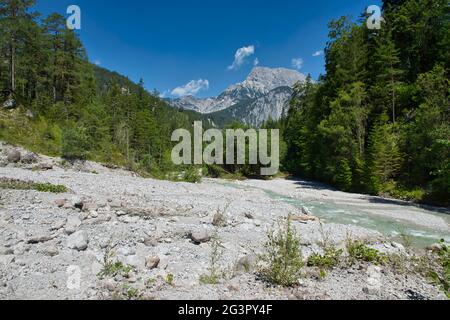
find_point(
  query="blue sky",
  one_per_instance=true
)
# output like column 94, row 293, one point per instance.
column 172, row 43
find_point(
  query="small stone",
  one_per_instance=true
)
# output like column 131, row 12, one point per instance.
column 60, row 202
column 14, row 156
column 199, row 237
column 89, row 207
column 72, row 225
column 77, row 203
column 45, row 166
column 50, row 250
column 249, row 215
column 152, row 262
column 120, row 213
column 78, row 241
column 93, row 214
column 150, row 242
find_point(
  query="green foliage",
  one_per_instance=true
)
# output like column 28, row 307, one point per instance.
column 214, row 272
column 442, row 275
column 75, row 143
column 192, row 175
column 358, row 251
column 379, row 120
column 26, row 185
column 283, row 257
column 328, row 260
column 113, row 268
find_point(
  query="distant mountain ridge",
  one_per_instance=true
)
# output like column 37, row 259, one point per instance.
column 264, row 94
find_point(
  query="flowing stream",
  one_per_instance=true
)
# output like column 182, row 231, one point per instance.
column 394, row 226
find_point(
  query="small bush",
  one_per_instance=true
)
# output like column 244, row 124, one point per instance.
column 191, row 175
column 358, row 251
column 113, row 268
column 283, row 257
column 47, row 187
column 214, row 273
column 328, row 260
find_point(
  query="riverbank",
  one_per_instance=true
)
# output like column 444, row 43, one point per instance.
column 116, row 235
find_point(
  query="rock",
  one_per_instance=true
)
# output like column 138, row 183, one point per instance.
column 249, row 215
column 45, row 166
column 77, row 203
column 120, row 213
column 58, row 225
column 89, row 206
column 78, row 241
column 60, row 202
column 434, row 247
column 152, row 262
column 219, row 220
column 374, row 284
column 150, row 242
column 304, row 218
column 72, row 225
column 50, row 250
column 246, row 264
column 14, row 156
column 199, row 237
column 29, row 158
column 6, row 251
column 40, row 237
column 398, row 246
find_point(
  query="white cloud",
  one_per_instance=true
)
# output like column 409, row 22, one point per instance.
column 191, row 88
column 97, row 62
column 256, row 62
column 239, row 57
column 297, row 63
column 317, row 53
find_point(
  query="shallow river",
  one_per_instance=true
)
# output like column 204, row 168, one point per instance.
column 395, row 220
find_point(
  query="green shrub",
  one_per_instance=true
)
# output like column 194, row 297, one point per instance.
column 48, row 187
column 328, row 260
column 192, row 176
column 358, row 251
column 113, row 268
column 283, row 257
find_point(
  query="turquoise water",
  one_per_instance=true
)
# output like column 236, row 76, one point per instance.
column 396, row 230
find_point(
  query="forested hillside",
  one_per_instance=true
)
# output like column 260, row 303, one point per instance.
column 379, row 120
column 67, row 106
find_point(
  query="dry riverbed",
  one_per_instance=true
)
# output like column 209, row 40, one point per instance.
column 116, row 235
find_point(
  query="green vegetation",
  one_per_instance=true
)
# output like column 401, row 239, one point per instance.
column 358, row 251
column 378, row 121
column 112, row 268
column 14, row 184
column 441, row 274
column 328, row 260
column 283, row 257
column 68, row 107
column 214, row 272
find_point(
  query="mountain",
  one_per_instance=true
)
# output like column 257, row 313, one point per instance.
column 264, row 94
